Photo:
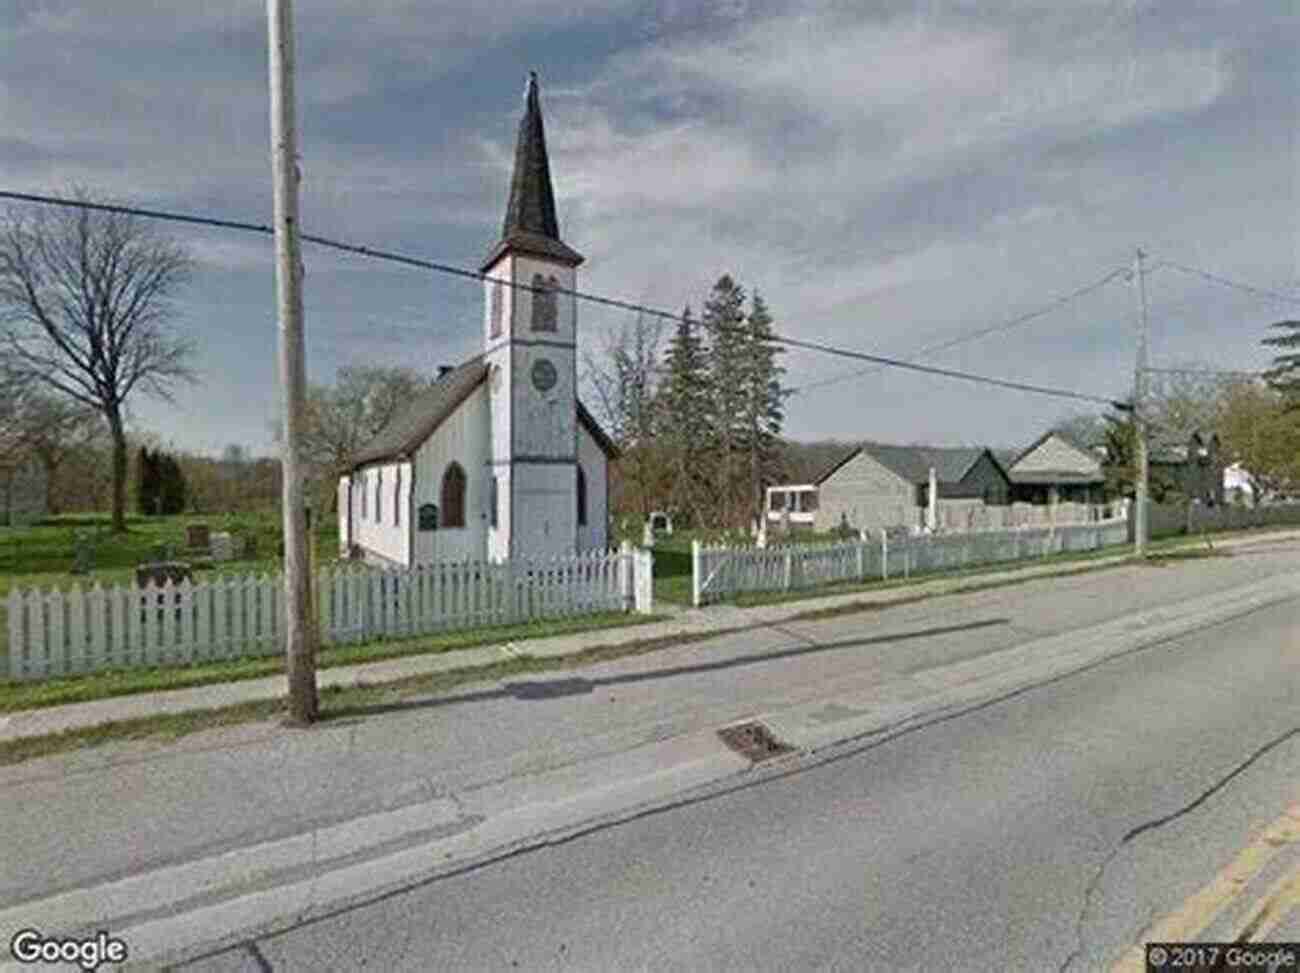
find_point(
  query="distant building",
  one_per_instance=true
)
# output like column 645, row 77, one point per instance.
column 1194, row 467
column 1056, row 469
column 875, row 485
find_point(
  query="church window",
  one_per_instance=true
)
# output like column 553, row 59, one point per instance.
column 582, row 498
column 497, row 308
column 397, row 500
column 494, row 502
column 379, row 497
column 365, row 485
column 545, row 313
column 453, row 497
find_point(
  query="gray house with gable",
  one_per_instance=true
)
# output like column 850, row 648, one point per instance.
column 875, row 485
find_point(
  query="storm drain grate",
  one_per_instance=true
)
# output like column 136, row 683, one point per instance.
column 753, row 740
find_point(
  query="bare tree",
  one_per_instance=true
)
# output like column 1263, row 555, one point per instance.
column 56, row 428
column 625, row 378
column 85, row 302
column 342, row 418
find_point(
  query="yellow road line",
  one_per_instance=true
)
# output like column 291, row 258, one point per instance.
column 1201, row 909
column 1280, row 900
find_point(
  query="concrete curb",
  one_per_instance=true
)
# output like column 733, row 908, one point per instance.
column 716, row 619
column 182, row 911
column 179, row 911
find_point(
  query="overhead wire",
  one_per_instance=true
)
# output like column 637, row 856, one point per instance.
column 980, row 333
column 421, row 263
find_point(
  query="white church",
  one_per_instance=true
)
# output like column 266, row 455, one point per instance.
column 499, row 459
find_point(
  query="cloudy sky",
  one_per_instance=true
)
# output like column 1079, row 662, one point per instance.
column 888, row 177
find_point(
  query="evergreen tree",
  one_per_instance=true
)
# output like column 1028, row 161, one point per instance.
column 683, row 416
column 172, row 487
column 148, row 482
column 1284, row 376
column 764, row 403
column 724, row 323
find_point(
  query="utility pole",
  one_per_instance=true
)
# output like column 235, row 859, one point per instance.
column 1141, row 532
column 300, row 640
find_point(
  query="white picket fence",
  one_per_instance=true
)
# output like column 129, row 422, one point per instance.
column 720, row 571
column 59, row 633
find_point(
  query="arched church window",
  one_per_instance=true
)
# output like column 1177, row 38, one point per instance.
column 453, row 497
column 397, row 499
column 582, row 498
column 364, row 484
column 545, row 311
column 497, row 308
column 379, row 498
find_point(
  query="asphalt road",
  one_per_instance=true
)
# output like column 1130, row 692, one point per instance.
column 1042, row 832
column 127, row 807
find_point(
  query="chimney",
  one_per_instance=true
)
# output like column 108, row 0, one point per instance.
column 444, row 369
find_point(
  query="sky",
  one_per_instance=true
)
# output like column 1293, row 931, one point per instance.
column 888, row 176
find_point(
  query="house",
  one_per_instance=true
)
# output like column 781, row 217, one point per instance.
column 874, row 486
column 1195, row 467
column 1056, row 469
column 23, row 489
column 499, row 459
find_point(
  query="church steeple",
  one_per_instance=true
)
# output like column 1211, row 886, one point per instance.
column 530, row 225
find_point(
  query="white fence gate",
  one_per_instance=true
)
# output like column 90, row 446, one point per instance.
column 58, row 633
column 720, row 571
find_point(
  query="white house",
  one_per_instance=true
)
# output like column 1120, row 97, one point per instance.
column 499, row 459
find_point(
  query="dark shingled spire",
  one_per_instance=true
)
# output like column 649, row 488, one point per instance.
column 530, row 223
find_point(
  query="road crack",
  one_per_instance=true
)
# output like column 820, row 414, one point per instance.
column 1138, row 830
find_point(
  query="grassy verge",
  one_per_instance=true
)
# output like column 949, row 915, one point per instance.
column 102, row 685
column 335, row 702
column 349, row 701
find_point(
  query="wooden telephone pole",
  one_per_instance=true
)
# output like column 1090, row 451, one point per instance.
column 300, row 636
column 1142, row 526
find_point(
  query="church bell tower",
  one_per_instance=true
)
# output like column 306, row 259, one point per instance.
column 530, row 335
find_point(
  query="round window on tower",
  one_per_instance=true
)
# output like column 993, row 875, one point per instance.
column 544, row 375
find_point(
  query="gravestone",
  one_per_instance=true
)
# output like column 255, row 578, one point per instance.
column 161, row 572
column 222, row 546
column 83, row 550
column 197, row 537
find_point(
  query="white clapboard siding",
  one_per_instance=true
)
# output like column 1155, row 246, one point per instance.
column 721, row 572
column 53, row 633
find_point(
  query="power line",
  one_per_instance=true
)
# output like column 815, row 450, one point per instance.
column 1228, row 282
column 982, row 332
column 593, row 298
column 1205, row 371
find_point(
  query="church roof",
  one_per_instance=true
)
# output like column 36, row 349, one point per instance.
column 422, row 416
column 530, row 225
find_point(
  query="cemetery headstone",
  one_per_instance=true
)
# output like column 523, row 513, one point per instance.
column 197, row 537
column 222, row 546
column 83, row 550
column 161, row 572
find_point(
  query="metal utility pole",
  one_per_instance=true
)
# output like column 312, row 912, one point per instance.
column 1141, row 532
column 300, row 636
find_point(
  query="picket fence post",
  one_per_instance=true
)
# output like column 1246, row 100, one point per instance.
column 695, row 572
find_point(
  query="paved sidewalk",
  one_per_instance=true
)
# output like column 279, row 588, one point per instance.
column 714, row 619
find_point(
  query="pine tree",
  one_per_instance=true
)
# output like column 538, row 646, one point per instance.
column 148, row 482
column 172, row 487
column 723, row 321
column 1284, row 376
column 764, row 403
column 683, row 410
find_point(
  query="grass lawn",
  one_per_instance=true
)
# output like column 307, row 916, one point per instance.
column 101, row 685
column 42, row 555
